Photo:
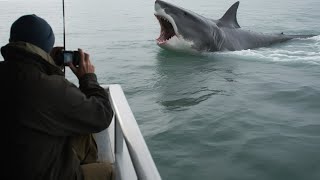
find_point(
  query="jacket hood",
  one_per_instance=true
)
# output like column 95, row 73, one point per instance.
column 27, row 51
column 27, row 48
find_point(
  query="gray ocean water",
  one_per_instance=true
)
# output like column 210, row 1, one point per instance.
column 244, row 115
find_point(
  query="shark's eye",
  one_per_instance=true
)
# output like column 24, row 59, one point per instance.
column 185, row 13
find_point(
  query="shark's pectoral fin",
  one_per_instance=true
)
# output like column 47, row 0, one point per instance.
column 229, row 19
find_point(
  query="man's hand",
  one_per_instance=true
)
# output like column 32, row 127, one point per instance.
column 85, row 66
column 55, row 55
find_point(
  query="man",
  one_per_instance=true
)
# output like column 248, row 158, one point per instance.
column 47, row 121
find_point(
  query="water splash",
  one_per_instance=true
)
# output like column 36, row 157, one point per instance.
column 296, row 51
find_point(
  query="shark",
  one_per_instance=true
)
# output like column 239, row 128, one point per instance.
column 185, row 30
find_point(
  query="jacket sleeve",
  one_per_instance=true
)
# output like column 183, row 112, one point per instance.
column 94, row 111
column 62, row 109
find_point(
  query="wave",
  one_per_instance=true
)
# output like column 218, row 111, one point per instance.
column 297, row 51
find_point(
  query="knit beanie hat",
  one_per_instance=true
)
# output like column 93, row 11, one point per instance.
column 34, row 30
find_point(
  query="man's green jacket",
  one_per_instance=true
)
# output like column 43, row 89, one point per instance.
column 41, row 111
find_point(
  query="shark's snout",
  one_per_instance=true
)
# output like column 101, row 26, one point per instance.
column 157, row 6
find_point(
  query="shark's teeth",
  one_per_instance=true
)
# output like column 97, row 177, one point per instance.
column 167, row 30
column 164, row 19
column 165, row 41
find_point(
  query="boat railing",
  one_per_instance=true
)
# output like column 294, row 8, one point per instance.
column 130, row 154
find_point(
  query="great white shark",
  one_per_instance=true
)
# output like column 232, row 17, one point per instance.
column 184, row 30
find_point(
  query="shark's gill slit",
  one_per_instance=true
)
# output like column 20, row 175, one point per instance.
column 166, row 32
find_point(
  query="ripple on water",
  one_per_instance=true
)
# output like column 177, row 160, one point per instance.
column 295, row 51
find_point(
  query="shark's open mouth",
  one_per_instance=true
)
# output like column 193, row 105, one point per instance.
column 167, row 30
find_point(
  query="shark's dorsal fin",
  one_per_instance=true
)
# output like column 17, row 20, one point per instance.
column 229, row 19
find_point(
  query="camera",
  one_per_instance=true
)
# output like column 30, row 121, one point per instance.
column 66, row 57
